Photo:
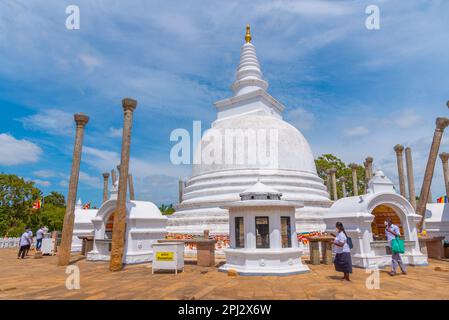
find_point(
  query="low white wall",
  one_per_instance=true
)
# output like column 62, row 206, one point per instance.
column 11, row 242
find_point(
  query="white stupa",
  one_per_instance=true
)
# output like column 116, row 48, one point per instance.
column 290, row 167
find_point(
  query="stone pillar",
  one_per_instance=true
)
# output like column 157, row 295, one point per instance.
column 441, row 124
column 118, row 231
column 400, row 162
column 369, row 167
column 343, row 186
column 131, row 187
column 410, row 177
column 114, row 177
column 328, row 183
column 69, row 218
column 105, row 186
column 444, row 156
column 355, row 186
column 334, row 183
column 180, row 190
column 365, row 164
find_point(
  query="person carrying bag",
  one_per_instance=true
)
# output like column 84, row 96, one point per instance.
column 397, row 246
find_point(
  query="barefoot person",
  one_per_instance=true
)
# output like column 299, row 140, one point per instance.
column 39, row 237
column 342, row 252
column 25, row 243
column 392, row 231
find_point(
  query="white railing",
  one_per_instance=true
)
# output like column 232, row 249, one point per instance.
column 11, row 242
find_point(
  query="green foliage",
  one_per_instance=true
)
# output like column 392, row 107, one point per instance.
column 16, row 203
column 55, row 198
column 166, row 210
column 327, row 161
column 51, row 216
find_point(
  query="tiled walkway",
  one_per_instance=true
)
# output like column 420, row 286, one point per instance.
column 43, row 279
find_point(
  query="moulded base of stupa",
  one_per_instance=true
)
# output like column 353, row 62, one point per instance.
column 216, row 220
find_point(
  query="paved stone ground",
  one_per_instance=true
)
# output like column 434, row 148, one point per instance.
column 43, row 279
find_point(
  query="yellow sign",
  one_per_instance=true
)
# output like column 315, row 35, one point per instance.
column 164, row 256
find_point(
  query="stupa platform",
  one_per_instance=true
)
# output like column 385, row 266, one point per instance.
column 43, row 279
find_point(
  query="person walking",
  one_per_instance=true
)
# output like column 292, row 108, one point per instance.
column 391, row 232
column 30, row 233
column 342, row 260
column 39, row 236
column 25, row 243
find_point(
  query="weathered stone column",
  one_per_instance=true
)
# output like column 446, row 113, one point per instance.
column 119, row 228
column 355, row 186
column 105, row 186
column 343, row 186
column 410, row 177
column 131, row 187
column 69, row 218
column 400, row 162
column 369, row 166
column 329, row 183
column 180, row 190
column 334, row 183
column 441, row 124
column 365, row 164
column 114, row 177
column 444, row 156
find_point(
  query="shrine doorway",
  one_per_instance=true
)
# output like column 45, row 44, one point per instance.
column 109, row 226
column 381, row 213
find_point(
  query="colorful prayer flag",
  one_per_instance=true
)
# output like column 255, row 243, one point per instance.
column 37, row 204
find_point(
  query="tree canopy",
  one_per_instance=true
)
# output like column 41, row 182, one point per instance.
column 16, row 207
column 327, row 161
column 166, row 209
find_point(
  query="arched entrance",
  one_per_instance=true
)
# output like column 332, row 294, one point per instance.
column 109, row 226
column 381, row 214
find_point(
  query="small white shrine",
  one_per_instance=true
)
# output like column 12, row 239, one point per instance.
column 83, row 225
column 263, row 238
column 364, row 216
column 144, row 226
column 436, row 223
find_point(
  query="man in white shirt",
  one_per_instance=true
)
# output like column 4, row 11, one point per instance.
column 391, row 232
column 25, row 243
column 39, row 237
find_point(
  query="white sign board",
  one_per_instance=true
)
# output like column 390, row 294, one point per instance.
column 168, row 256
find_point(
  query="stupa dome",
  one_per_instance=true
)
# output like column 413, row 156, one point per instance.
column 293, row 150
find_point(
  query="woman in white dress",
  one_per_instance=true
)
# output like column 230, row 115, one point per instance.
column 342, row 260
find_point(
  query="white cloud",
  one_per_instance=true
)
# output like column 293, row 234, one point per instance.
column 311, row 7
column 407, row 119
column 115, row 132
column 43, row 183
column 301, row 118
column 153, row 181
column 50, row 121
column 89, row 60
column 15, row 152
column 44, row 173
column 356, row 131
column 95, row 182
column 64, row 183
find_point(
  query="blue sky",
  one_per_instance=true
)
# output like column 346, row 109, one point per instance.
column 352, row 91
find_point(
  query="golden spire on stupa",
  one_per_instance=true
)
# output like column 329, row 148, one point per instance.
column 248, row 33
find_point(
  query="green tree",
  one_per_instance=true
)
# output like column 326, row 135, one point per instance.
column 50, row 216
column 166, row 209
column 327, row 161
column 16, row 202
column 55, row 198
